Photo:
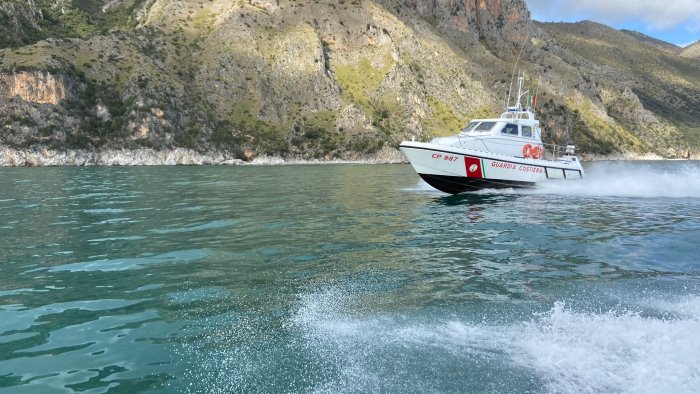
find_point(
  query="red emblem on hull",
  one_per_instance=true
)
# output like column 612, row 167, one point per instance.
column 473, row 166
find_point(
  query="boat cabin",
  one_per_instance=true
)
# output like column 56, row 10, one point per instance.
column 507, row 135
column 511, row 123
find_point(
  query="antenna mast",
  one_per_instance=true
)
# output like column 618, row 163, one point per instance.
column 515, row 66
column 521, row 93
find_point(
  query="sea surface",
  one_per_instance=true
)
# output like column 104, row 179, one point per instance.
column 347, row 279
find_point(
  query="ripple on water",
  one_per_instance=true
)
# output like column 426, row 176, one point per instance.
column 19, row 318
column 206, row 226
column 98, row 358
column 199, row 294
column 127, row 238
column 183, row 256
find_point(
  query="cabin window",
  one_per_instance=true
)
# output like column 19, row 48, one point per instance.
column 510, row 129
column 527, row 131
column 471, row 126
column 485, row 126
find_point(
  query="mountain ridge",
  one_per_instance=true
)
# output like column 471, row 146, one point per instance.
column 661, row 44
column 692, row 51
column 318, row 80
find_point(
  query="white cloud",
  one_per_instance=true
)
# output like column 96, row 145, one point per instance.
column 658, row 15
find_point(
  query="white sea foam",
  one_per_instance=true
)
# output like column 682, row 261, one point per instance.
column 422, row 186
column 612, row 351
column 673, row 180
column 566, row 350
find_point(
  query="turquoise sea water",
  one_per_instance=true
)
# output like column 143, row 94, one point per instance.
column 347, row 278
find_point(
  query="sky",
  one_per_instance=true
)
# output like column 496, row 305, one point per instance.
column 674, row 21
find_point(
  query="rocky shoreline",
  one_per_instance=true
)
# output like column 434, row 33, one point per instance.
column 44, row 157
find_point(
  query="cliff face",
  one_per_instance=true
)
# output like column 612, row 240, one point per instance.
column 496, row 23
column 304, row 79
column 35, row 87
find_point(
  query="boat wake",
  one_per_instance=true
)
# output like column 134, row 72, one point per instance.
column 629, row 180
column 560, row 350
column 636, row 180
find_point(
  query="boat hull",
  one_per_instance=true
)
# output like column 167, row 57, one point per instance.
column 460, row 184
column 456, row 170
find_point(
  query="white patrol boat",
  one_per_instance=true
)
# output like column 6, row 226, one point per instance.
column 494, row 153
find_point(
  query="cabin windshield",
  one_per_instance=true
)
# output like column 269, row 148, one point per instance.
column 470, row 127
column 484, row 127
column 478, row 126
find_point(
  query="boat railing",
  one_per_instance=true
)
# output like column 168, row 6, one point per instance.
column 553, row 152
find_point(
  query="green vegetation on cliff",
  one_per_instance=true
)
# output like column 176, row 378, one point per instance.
column 24, row 22
column 325, row 79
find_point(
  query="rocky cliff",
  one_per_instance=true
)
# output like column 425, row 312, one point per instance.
column 650, row 95
column 319, row 79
